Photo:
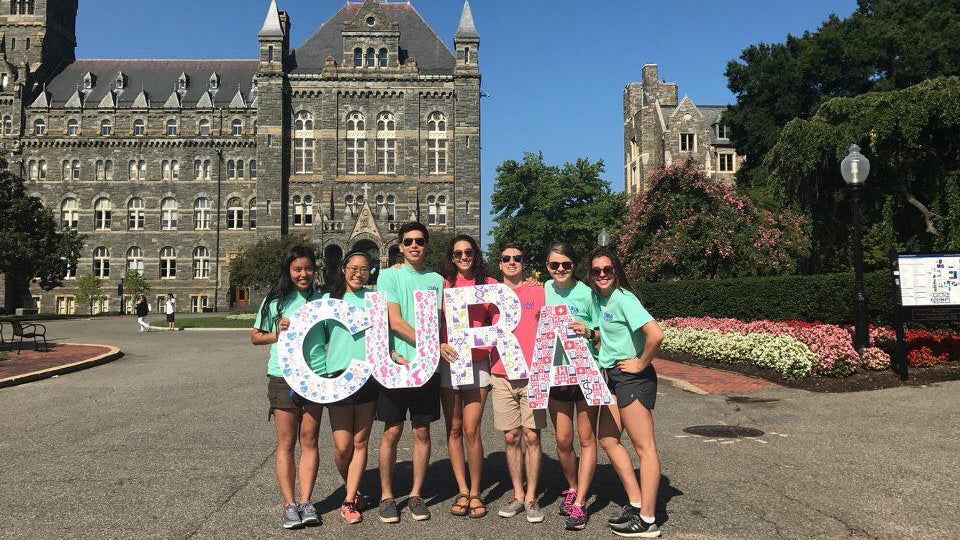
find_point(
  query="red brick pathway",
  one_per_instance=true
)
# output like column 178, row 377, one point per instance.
column 30, row 360
column 709, row 380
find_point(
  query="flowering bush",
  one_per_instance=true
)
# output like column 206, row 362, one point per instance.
column 783, row 354
column 925, row 357
column 875, row 358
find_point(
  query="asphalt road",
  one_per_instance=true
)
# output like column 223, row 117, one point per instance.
column 172, row 441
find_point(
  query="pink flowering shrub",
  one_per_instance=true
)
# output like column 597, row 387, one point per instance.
column 874, row 358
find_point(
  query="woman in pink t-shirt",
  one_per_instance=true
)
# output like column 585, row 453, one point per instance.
column 463, row 405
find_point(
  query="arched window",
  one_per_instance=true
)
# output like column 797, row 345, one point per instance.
column 239, row 168
column 348, row 203
column 253, row 213
column 356, row 143
column 201, row 263
column 106, row 127
column 297, row 210
column 201, row 214
column 303, row 143
column 101, row 170
column 69, row 213
column 391, row 207
column 231, row 169
column 204, row 127
column 253, row 168
column 437, row 210
column 236, row 127
column 7, row 125
column 358, row 57
column 75, row 169
column 135, row 260
column 172, row 127
column 437, row 143
column 37, row 169
column 201, row 169
column 234, row 213
column 139, row 127
column 39, row 127
column 370, row 57
column 135, row 214
column 101, row 262
column 168, row 263
column 171, row 169
column 308, row 209
column 102, row 214
column 108, row 169
column 382, row 58
column 73, row 127
column 168, row 214
column 138, row 169
column 386, row 143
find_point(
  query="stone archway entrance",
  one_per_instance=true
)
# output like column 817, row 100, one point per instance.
column 373, row 251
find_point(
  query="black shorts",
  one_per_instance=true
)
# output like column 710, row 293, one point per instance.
column 366, row 394
column 170, row 317
column 630, row 387
column 281, row 396
column 423, row 403
column 567, row 394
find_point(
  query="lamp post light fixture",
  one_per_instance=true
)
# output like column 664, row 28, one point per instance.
column 855, row 168
column 603, row 238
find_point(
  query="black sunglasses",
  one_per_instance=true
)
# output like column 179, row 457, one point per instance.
column 459, row 254
column 407, row 242
column 507, row 258
column 606, row 270
column 554, row 265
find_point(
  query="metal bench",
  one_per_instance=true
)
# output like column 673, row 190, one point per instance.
column 33, row 330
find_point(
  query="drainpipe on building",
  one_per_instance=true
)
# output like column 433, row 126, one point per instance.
column 216, row 291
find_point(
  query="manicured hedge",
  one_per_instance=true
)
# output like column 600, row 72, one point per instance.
column 824, row 297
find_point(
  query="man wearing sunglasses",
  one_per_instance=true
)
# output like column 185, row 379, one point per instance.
column 423, row 403
column 511, row 412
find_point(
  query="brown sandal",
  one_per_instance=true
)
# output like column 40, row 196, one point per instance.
column 458, row 509
column 477, row 512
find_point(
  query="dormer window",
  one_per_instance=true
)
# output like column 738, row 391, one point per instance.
column 120, row 82
column 88, row 81
column 214, row 82
column 723, row 131
column 182, row 83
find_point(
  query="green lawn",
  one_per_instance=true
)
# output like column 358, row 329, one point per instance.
column 204, row 322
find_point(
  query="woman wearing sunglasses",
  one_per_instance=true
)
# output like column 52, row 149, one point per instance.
column 463, row 405
column 631, row 339
column 567, row 404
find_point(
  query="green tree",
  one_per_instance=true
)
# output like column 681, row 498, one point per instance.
column 134, row 283
column 910, row 137
column 434, row 259
column 884, row 45
column 687, row 226
column 89, row 291
column 32, row 244
column 256, row 265
column 535, row 204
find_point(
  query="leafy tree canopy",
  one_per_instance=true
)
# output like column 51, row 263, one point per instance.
column 89, row 291
column 32, row 245
column 688, row 226
column 256, row 265
column 134, row 283
column 535, row 204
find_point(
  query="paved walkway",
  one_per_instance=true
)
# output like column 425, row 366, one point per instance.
column 703, row 380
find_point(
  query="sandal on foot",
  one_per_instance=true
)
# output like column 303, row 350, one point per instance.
column 458, row 509
column 477, row 512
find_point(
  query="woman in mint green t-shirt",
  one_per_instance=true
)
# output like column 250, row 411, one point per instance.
column 629, row 340
column 352, row 417
column 295, row 417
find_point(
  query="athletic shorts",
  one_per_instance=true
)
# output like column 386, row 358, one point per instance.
column 170, row 317
column 510, row 406
column 630, row 387
column 366, row 394
column 281, row 396
column 422, row 402
column 567, row 394
column 481, row 375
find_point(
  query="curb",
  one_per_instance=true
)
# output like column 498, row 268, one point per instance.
column 109, row 356
column 684, row 385
column 182, row 329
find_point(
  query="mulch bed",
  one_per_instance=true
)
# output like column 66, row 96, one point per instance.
column 31, row 360
column 858, row 382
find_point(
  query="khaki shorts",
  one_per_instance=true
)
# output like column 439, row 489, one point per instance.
column 510, row 408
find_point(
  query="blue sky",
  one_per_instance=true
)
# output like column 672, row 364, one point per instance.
column 554, row 70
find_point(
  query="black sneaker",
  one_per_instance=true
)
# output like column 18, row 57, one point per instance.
column 418, row 508
column 638, row 528
column 388, row 511
column 623, row 518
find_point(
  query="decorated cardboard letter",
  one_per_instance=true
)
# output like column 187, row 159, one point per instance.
column 290, row 347
column 582, row 369
column 463, row 337
column 422, row 367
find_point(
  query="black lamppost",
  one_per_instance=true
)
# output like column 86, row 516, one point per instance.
column 855, row 168
column 120, row 294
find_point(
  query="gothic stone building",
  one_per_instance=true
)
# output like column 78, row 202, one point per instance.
column 170, row 167
column 657, row 130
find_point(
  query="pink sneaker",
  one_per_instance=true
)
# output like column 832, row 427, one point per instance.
column 569, row 496
column 350, row 513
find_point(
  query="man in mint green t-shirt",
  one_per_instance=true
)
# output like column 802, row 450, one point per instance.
column 423, row 403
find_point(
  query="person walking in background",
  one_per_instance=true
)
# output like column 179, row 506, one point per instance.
column 142, row 309
column 511, row 412
column 170, row 309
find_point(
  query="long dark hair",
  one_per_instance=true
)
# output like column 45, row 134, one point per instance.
column 565, row 249
column 339, row 287
column 283, row 285
column 620, row 279
column 478, row 267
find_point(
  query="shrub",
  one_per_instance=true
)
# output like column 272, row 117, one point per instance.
column 783, row 353
column 874, row 358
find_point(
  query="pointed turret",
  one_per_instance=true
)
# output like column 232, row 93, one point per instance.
column 271, row 23
column 467, row 43
column 467, row 29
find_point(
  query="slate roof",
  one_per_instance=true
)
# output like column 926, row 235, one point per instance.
column 158, row 78
column 711, row 114
column 417, row 39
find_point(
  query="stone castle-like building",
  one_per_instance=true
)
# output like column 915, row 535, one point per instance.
column 658, row 129
column 169, row 167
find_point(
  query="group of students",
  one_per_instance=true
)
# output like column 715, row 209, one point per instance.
column 623, row 338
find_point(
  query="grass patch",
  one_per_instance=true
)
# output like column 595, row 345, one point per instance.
column 3, row 355
column 47, row 317
column 205, row 322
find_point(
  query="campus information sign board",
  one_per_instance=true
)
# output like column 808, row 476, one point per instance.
column 929, row 279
